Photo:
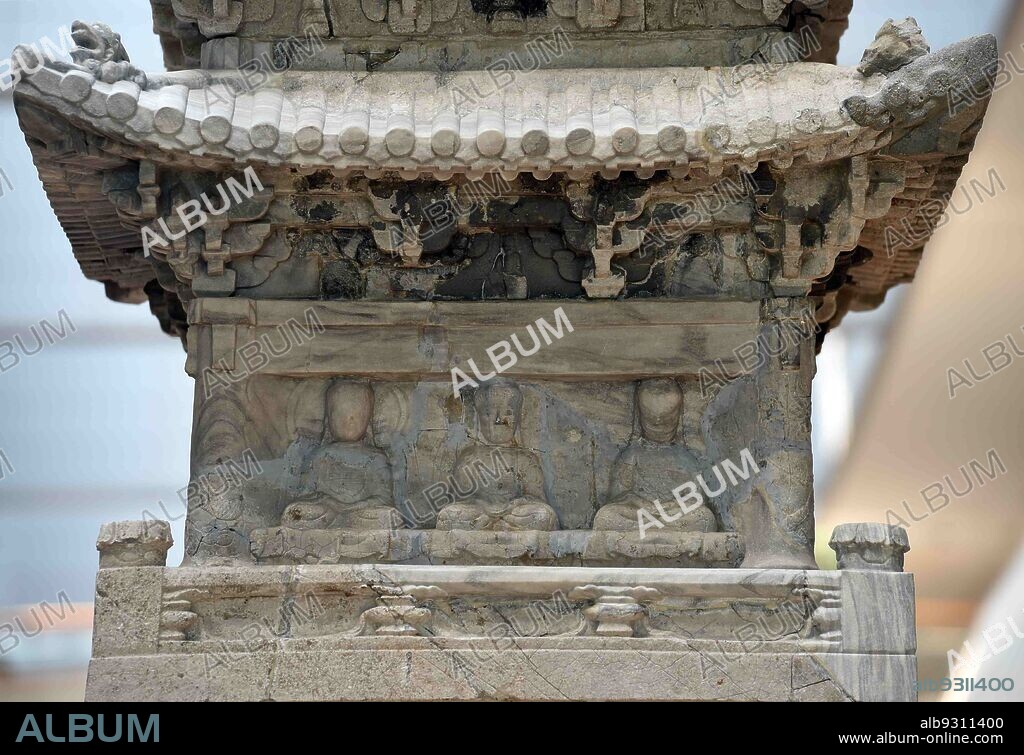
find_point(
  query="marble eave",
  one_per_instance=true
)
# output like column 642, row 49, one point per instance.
column 556, row 122
column 611, row 121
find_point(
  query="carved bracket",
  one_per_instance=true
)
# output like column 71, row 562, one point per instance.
column 603, row 284
column 808, row 223
column 221, row 226
column 617, row 611
column 399, row 612
column 825, row 620
column 606, row 210
column 394, row 233
column 177, row 618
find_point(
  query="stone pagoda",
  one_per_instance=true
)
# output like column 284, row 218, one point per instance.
column 502, row 316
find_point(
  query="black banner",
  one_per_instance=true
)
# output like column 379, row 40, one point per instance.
column 298, row 726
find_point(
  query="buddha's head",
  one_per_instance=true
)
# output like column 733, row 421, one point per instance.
column 660, row 402
column 349, row 408
column 498, row 404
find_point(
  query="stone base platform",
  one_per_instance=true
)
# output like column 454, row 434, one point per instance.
column 422, row 632
column 283, row 545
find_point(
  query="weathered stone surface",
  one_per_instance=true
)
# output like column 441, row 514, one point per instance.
column 504, row 633
column 878, row 612
column 819, row 115
column 895, row 45
column 134, row 543
column 283, row 545
column 577, row 415
column 483, row 344
column 681, row 118
column 127, row 611
column 370, row 35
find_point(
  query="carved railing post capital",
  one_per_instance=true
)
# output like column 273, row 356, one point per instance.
column 616, row 611
column 869, row 546
column 134, row 543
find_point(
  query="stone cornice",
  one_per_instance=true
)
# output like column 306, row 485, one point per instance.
column 553, row 122
column 888, row 128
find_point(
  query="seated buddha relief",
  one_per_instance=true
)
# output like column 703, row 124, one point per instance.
column 652, row 466
column 347, row 482
column 515, row 500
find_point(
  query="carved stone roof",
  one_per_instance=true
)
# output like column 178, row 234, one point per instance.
column 615, row 120
column 87, row 120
